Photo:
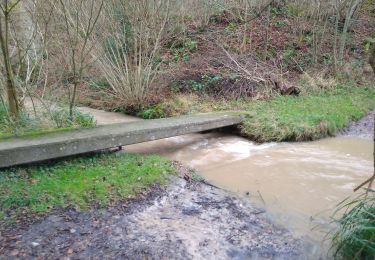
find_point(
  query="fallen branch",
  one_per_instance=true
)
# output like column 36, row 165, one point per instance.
column 371, row 180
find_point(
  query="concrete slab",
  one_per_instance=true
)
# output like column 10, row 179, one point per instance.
column 28, row 150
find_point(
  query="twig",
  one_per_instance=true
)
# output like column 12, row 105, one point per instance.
column 371, row 180
column 261, row 197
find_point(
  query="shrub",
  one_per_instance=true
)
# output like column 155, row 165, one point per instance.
column 132, row 34
column 157, row 111
column 47, row 121
column 62, row 119
column 355, row 236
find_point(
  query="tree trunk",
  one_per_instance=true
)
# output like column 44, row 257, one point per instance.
column 10, row 84
column 372, row 57
column 349, row 15
column 12, row 96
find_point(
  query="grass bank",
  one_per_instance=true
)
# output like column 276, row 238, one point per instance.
column 78, row 183
column 283, row 118
column 322, row 114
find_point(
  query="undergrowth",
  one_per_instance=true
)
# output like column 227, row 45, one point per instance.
column 78, row 183
column 55, row 120
column 355, row 234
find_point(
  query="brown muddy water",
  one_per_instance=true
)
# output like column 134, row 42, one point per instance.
column 299, row 184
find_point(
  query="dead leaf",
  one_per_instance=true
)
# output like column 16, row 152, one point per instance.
column 14, row 252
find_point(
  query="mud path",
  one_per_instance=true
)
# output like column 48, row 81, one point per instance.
column 188, row 220
column 363, row 128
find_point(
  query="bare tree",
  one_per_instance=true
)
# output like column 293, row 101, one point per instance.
column 80, row 18
column 353, row 6
column 128, row 49
column 7, row 7
column 372, row 56
column 28, row 48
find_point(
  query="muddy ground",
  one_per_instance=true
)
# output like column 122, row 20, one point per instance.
column 363, row 128
column 189, row 219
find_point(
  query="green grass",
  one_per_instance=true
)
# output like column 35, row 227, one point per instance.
column 283, row 118
column 288, row 118
column 78, row 183
column 355, row 234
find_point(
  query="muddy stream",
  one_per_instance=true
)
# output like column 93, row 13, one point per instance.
column 298, row 184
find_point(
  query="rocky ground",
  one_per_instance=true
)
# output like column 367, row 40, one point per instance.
column 363, row 128
column 188, row 220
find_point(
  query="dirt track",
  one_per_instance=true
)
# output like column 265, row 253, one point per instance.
column 187, row 220
column 363, row 128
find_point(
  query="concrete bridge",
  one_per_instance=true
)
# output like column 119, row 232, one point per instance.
column 19, row 151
